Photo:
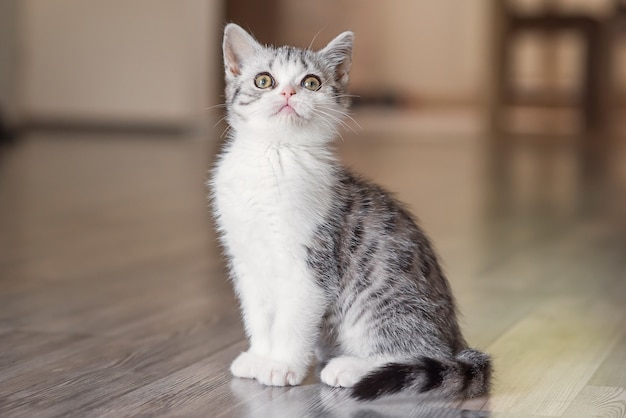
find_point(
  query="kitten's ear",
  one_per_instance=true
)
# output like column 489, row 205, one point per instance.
column 339, row 53
column 238, row 45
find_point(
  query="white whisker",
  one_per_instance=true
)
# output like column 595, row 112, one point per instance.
column 333, row 124
column 316, row 35
column 340, row 120
column 220, row 120
column 219, row 105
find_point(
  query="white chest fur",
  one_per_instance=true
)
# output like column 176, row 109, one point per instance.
column 268, row 201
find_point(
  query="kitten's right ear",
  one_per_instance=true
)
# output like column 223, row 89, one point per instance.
column 238, row 45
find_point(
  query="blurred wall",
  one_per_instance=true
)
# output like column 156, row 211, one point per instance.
column 117, row 61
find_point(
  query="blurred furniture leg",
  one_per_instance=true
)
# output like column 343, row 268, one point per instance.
column 6, row 134
column 498, row 67
column 615, row 28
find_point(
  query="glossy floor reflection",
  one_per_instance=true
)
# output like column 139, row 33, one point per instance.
column 114, row 299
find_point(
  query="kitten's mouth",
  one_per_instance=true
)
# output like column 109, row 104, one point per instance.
column 287, row 110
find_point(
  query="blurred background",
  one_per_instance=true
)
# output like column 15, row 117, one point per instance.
column 500, row 123
column 157, row 64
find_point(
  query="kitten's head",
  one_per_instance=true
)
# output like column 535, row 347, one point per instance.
column 286, row 88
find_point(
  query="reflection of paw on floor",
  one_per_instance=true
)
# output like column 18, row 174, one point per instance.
column 312, row 400
column 269, row 401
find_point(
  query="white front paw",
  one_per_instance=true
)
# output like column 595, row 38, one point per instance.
column 280, row 374
column 344, row 371
column 266, row 371
column 246, row 365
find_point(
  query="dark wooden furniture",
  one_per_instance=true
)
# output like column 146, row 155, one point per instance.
column 592, row 94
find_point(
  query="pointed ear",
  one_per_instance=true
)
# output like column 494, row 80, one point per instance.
column 238, row 45
column 339, row 53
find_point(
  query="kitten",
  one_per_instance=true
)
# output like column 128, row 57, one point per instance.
column 323, row 261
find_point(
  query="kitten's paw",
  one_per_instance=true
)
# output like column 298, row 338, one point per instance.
column 266, row 371
column 246, row 365
column 345, row 371
column 276, row 373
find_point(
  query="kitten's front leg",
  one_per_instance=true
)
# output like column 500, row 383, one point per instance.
column 281, row 349
column 257, row 312
column 257, row 318
column 295, row 331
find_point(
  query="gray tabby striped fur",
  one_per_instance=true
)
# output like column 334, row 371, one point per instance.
column 382, row 276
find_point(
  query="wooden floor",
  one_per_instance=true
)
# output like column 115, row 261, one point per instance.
column 114, row 300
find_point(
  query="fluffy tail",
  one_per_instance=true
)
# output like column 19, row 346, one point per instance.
column 465, row 376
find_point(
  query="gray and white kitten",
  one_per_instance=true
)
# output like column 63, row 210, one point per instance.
column 322, row 261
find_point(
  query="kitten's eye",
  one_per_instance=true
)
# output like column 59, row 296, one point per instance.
column 264, row 81
column 311, row 82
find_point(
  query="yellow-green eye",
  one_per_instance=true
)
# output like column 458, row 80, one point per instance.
column 264, row 81
column 311, row 82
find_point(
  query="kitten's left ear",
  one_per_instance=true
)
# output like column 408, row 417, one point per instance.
column 238, row 45
column 339, row 53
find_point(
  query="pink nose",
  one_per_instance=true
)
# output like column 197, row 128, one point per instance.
column 288, row 92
